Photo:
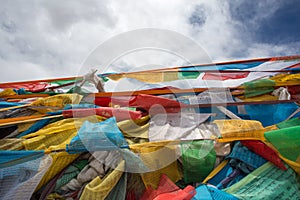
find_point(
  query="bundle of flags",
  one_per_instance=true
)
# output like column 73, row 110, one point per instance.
column 233, row 135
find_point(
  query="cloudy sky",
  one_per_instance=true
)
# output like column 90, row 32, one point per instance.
column 46, row 39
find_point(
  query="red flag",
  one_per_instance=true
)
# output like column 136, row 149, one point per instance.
column 222, row 76
column 30, row 87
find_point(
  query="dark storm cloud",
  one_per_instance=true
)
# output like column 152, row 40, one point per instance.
column 198, row 16
column 274, row 22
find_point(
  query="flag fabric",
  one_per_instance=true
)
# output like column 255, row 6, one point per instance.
column 97, row 137
column 273, row 184
column 21, row 172
column 225, row 130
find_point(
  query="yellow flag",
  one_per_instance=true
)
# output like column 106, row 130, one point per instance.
column 53, row 137
column 99, row 189
column 11, row 144
column 286, row 79
column 7, row 92
column 236, row 129
column 148, row 77
column 160, row 158
column 57, row 101
column 135, row 128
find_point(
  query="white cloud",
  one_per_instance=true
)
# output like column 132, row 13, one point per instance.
column 64, row 15
column 14, row 71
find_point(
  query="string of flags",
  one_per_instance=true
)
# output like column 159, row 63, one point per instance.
column 238, row 141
